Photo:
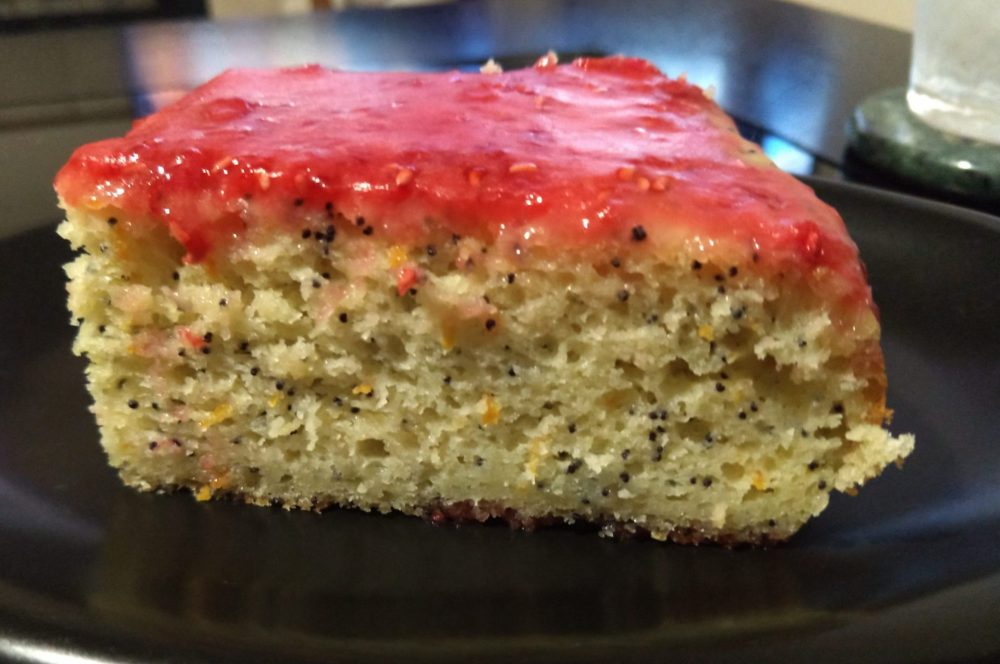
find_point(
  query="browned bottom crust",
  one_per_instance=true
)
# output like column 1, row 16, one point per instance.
column 484, row 512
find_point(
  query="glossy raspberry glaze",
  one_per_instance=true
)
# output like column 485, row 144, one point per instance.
column 566, row 156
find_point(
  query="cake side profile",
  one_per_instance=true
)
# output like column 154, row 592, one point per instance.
column 566, row 293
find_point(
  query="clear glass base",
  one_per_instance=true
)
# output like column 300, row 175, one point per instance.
column 981, row 124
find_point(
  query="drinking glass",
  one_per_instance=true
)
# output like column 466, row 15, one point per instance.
column 955, row 70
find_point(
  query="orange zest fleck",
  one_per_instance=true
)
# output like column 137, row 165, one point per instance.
column 404, row 176
column 448, row 336
column 219, row 482
column 539, row 448
column 491, row 410
column 523, row 167
column 223, row 164
column 219, row 414
column 396, row 255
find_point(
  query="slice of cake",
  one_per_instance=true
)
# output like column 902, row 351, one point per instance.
column 567, row 293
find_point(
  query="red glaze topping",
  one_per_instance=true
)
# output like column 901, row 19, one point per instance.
column 603, row 151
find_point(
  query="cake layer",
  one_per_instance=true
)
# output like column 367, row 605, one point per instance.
column 692, row 400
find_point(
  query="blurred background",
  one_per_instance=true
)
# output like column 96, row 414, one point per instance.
column 19, row 13
column 892, row 13
column 790, row 71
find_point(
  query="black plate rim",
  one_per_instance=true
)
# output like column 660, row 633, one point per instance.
column 966, row 215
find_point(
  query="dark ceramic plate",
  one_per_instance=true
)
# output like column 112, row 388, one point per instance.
column 907, row 571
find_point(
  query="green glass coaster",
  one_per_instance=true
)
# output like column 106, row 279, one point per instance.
column 887, row 136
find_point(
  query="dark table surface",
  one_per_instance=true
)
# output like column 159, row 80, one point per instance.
column 789, row 74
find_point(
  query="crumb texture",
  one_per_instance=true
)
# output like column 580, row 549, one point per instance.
column 686, row 395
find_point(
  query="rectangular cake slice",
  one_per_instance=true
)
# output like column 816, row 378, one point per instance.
column 565, row 293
